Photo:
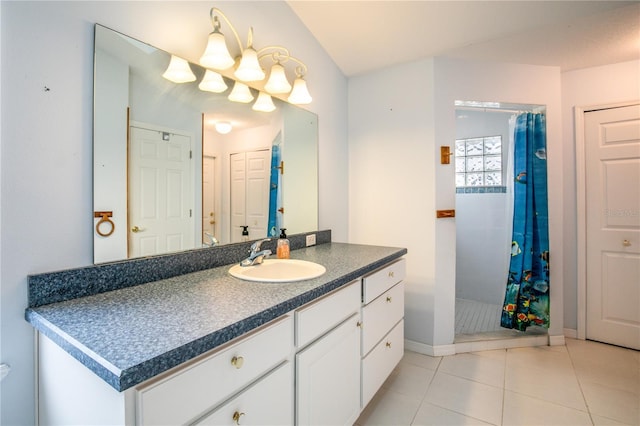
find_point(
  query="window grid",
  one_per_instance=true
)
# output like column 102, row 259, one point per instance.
column 478, row 162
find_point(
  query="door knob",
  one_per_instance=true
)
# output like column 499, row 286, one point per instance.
column 136, row 228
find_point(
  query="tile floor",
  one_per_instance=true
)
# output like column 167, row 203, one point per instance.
column 582, row 383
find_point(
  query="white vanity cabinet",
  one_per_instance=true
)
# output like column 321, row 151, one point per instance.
column 250, row 370
column 328, row 359
column 318, row 364
column 267, row 402
column 185, row 395
column 382, row 326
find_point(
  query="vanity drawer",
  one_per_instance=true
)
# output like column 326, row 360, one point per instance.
column 379, row 316
column 267, row 402
column 381, row 361
column 190, row 391
column 318, row 317
column 375, row 284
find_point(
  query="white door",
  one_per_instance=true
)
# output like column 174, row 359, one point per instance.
column 208, row 199
column 250, row 172
column 160, row 192
column 612, row 139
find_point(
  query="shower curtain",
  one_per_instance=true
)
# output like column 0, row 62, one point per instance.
column 527, row 295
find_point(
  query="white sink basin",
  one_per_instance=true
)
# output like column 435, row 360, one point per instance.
column 278, row 271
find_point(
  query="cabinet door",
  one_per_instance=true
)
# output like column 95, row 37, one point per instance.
column 268, row 402
column 328, row 377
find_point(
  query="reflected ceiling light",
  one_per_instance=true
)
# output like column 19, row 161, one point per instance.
column 240, row 93
column 277, row 82
column 212, row 82
column 217, row 56
column 264, row 103
column 223, row 127
column 179, row 71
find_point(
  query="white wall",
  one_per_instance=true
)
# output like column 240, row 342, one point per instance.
column 398, row 119
column 587, row 87
column 391, row 175
column 483, row 220
column 46, row 138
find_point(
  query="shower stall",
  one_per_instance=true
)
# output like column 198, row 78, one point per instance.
column 484, row 217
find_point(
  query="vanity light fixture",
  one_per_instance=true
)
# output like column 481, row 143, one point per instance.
column 216, row 56
column 277, row 82
column 240, row 93
column 223, row 127
column 212, row 82
column 179, row 71
column 264, row 103
column 300, row 94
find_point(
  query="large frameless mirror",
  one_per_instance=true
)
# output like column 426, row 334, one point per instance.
column 177, row 167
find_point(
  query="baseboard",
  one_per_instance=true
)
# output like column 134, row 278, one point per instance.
column 423, row 348
column 570, row 333
column 556, row 340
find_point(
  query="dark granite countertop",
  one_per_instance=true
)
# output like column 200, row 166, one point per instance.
column 129, row 335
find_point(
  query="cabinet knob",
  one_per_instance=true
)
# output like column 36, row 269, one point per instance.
column 236, row 417
column 626, row 243
column 237, row 362
column 389, row 299
column 388, row 344
column 390, row 274
column 359, row 324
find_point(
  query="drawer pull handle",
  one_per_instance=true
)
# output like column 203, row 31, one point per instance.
column 237, row 362
column 390, row 274
column 389, row 299
column 388, row 344
column 236, row 417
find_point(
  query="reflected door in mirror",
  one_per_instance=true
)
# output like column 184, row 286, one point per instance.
column 250, row 172
column 160, row 192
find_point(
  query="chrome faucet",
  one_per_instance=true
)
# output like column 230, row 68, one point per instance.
column 256, row 256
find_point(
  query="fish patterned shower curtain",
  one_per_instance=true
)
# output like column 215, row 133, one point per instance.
column 527, row 296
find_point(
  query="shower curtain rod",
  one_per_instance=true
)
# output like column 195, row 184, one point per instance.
column 485, row 109
column 534, row 110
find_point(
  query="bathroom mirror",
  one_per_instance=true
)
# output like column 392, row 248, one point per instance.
column 166, row 180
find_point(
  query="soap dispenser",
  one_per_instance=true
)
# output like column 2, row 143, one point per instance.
column 282, row 249
column 245, row 232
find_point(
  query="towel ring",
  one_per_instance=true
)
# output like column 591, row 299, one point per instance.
column 104, row 219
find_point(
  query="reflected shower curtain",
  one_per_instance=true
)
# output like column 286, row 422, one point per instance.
column 275, row 193
column 527, row 296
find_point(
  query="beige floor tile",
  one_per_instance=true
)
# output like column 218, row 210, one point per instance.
column 432, row 415
column 421, row 360
column 499, row 354
column 481, row 369
column 612, row 403
column 389, row 408
column 466, row 397
column 607, row 365
column 550, row 358
column 524, row 410
column 603, row 421
column 410, row 380
column 555, row 385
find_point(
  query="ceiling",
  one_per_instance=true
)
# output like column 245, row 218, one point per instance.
column 362, row 36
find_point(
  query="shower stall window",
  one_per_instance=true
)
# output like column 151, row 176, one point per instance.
column 479, row 164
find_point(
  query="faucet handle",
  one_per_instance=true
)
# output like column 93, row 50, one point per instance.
column 256, row 246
